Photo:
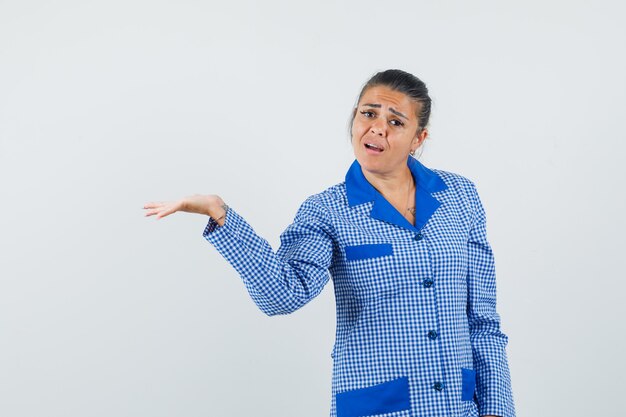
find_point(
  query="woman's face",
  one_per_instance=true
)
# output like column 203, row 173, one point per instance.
column 384, row 130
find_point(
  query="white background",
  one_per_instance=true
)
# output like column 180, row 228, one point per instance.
column 105, row 106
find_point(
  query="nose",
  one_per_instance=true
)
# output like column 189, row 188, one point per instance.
column 379, row 127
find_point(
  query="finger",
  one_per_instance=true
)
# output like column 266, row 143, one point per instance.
column 166, row 212
column 151, row 213
column 154, row 204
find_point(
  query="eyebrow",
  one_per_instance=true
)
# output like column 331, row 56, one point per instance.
column 391, row 109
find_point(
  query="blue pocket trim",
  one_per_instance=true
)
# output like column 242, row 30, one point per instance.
column 469, row 384
column 354, row 253
column 387, row 397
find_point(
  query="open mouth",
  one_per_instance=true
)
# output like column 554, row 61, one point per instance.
column 373, row 147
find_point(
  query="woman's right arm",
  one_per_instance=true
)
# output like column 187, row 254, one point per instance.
column 278, row 282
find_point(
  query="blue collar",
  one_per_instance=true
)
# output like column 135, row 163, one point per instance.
column 360, row 191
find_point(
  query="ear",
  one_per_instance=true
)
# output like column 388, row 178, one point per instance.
column 420, row 138
column 352, row 120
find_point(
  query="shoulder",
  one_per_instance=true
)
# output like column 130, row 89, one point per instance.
column 454, row 180
column 461, row 190
column 324, row 203
column 457, row 183
column 329, row 197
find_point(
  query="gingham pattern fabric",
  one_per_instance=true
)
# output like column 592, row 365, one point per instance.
column 417, row 329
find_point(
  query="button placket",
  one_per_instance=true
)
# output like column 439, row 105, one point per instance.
column 431, row 334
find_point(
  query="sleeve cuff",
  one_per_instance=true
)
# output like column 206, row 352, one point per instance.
column 212, row 226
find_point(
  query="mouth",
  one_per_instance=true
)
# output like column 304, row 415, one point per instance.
column 374, row 148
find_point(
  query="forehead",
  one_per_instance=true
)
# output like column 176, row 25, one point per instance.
column 386, row 97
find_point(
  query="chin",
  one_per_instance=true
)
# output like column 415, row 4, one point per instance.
column 371, row 164
column 378, row 165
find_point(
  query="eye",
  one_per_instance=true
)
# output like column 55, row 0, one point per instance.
column 396, row 122
column 367, row 113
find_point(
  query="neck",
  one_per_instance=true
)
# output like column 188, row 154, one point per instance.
column 389, row 184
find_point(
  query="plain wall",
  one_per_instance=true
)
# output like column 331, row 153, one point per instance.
column 105, row 106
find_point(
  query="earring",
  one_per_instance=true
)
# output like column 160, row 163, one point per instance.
column 412, row 152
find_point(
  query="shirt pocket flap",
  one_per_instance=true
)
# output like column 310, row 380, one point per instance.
column 387, row 397
column 375, row 250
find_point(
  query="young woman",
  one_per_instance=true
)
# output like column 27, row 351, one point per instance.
column 417, row 329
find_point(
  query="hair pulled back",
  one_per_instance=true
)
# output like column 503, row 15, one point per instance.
column 407, row 84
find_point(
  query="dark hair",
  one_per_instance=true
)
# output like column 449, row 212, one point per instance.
column 402, row 82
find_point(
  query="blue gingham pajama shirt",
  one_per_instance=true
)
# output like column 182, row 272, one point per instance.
column 417, row 329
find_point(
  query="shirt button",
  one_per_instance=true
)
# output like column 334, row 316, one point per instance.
column 438, row 386
column 419, row 236
column 427, row 283
column 432, row 334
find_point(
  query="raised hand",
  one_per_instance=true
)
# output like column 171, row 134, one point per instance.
column 210, row 205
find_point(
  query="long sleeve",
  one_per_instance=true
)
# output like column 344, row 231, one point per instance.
column 281, row 282
column 493, row 385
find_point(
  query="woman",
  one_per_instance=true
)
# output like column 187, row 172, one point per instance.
column 417, row 328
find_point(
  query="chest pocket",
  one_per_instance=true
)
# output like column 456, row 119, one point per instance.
column 357, row 252
column 371, row 270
